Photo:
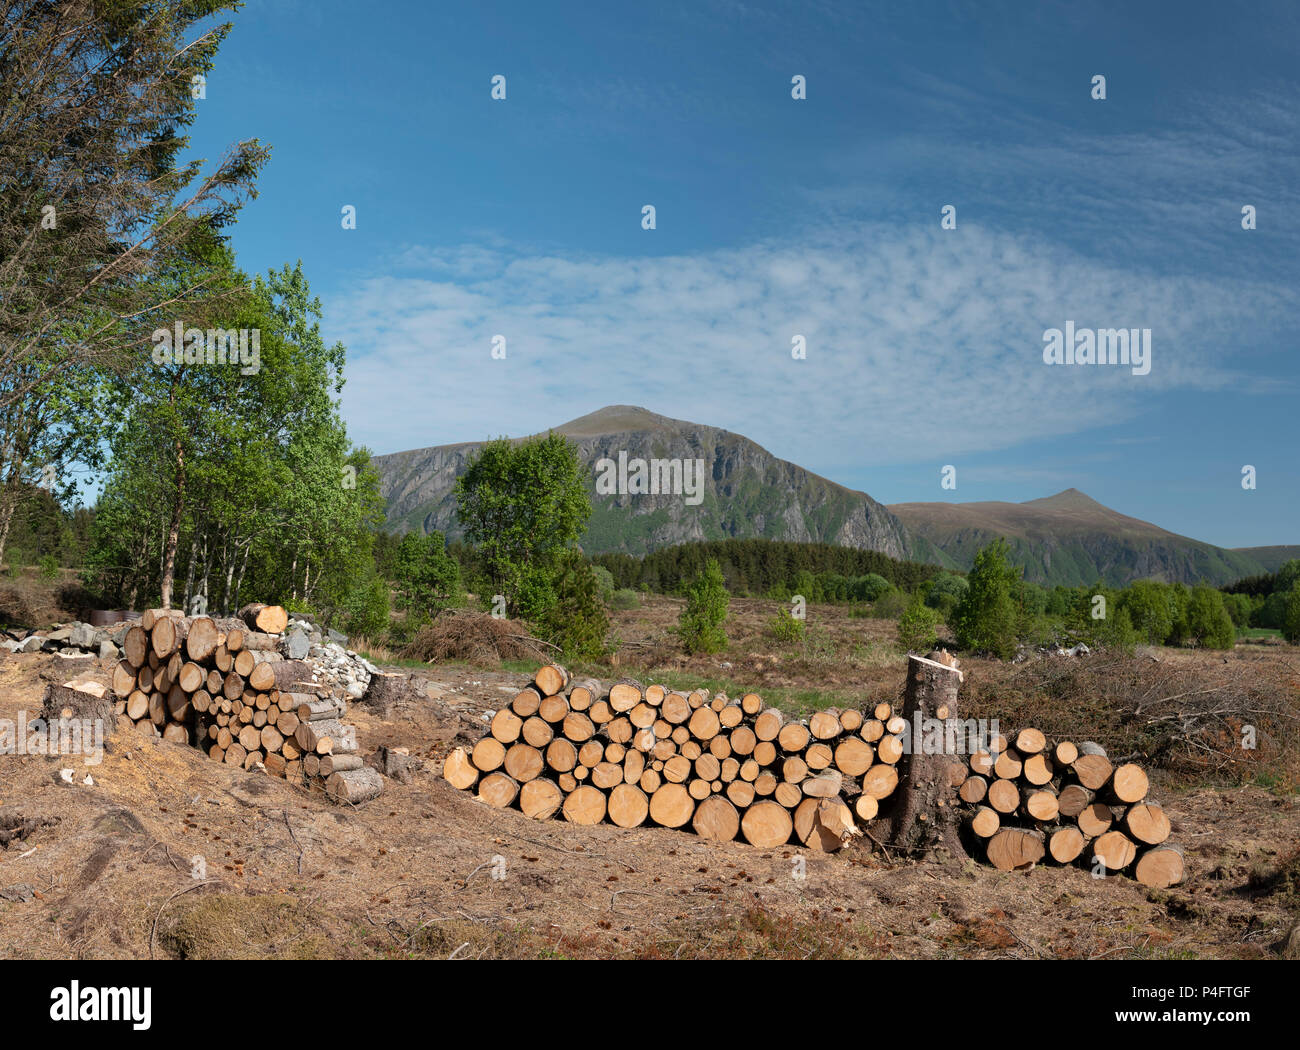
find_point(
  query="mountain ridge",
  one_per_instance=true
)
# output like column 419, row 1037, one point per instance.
column 1067, row 537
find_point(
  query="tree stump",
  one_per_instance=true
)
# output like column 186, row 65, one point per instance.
column 924, row 814
column 80, row 699
column 384, row 693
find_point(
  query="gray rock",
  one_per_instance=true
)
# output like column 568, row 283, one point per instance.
column 296, row 645
column 63, row 634
column 107, row 650
column 336, row 636
column 118, row 637
column 83, row 636
column 19, row 893
column 32, row 644
column 10, row 644
column 355, row 690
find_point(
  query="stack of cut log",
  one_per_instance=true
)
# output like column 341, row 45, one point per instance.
column 223, row 686
column 633, row 754
column 1031, row 799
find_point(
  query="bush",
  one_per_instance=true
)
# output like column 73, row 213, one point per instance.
column 604, row 582
column 700, row 624
column 49, row 567
column 1116, row 632
column 870, row 587
column 427, row 577
column 946, row 592
column 1207, row 620
column 890, row 605
column 986, row 617
column 365, row 610
column 1150, row 609
column 916, row 627
column 786, row 628
column 1291, row 618
column 576, row 620
column 623, row 599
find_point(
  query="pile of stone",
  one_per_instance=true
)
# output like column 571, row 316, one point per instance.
column 75, row 641
column 325, row 649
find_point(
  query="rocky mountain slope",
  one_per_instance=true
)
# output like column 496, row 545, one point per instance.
column 1072, row 539
column 747, row 492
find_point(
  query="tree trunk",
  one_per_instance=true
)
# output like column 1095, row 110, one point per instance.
column 174, row 529
column 924, row 814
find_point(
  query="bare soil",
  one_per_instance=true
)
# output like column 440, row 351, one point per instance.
column 427, row 871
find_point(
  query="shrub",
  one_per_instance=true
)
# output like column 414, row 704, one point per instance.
column 623, row 599
column 576, row 620
column 700, row 624
column 604, row 582
column 786, row 628
column 890, row 605
column 946, row 592
column 1207, row 620
column 986, row 617
column 870, row 587
column 49, row 567
column 365, row 610
column 1291, row 618
column 916, row 627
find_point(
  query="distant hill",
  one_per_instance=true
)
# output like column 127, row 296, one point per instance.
column 1271, row 558
column 1072, row 539
column 748, row 492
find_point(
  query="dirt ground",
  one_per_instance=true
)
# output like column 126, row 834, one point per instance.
column 427, row 871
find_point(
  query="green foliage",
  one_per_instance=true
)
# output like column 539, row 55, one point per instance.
column 1115, row 631
column 1151, row 608
column 427, row 577
column 1291, row 617
column 700, row 623
column 771, row 567
column 243, row 475
column 365, row 610
column 1207, row 621
column 917, row 627
column 890, row 605
column 49, row 567
column 1239, row 608
column 604, row 582
column 575, row 620
column 946, row 592
column 623, row 599
column 786, row 628
column 986, row 618
column 522, row 504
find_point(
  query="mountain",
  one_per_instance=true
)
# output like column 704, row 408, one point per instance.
column 1068, row 538
column 747, row 491
column 1271, row 558
column 1072, row 539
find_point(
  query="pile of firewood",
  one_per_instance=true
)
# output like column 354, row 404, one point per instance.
column 223, row 686
column 1034, row 799
column 632, row 754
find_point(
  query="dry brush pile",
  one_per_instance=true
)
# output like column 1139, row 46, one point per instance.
column 633, row 754
column 223, row 686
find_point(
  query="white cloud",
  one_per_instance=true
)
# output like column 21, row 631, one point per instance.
column 921, row 344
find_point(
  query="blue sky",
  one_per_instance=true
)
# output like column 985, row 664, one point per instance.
column 818, row 217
